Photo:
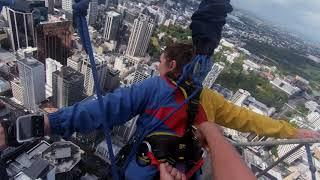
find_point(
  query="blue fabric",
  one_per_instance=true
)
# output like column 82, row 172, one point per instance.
column 120, row 106
column 207, row 23
column 136, row 172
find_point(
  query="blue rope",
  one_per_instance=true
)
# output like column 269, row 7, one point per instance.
column 198, row 68
column 80, row 11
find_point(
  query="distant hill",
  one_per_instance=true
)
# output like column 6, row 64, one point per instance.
column 287, row 60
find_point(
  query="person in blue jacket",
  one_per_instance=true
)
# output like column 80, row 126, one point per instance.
column 154, row 98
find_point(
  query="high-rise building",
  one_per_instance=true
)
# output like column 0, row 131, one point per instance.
column 141, row 73
column 112, row 25
column 125, row 132
column 284, row 149
column 213, row 74
column 102, row 151
column 32, row 76
column 67, row 5
column 93, row 6
column 75, row 61
column 239, row 97
column 22, row 20
column 112, row 79
column 67, row 86
column 102, row 68
column 112, row 3
column 58, row 4
column 51, row 66
column 54, row 41
column 140, row 35
column 17, row 91
column 314, row 119
column 50, row 6
column 26, row 52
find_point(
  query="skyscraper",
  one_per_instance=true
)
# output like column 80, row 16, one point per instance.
column 213, row 74
column 93, row 7
column 284, row 149
column 140, row 35
column 58, row 4
column 32, row 76
column 112, row 25
column 75, row 61
column 125, row 132
column 112, row 3
column 17, row 90
column 67, row 86
column 112, row 80
column 67, row 5
column 50, row 6
column 240, row 96
column 102, row 68
column 22, row 19
column 141, row 73
column 54, row 41
column 51, row 66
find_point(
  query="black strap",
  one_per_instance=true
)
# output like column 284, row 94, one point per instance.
column 10, row 133
column 193, row 104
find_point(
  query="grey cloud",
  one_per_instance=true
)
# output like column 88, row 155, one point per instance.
column 302, row 16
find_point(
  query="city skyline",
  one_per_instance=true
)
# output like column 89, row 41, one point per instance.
column 294, row 15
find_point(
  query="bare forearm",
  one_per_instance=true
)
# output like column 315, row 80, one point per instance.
column 46, row 125
column 226, row 162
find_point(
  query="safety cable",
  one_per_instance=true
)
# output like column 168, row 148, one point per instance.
column 80, row 11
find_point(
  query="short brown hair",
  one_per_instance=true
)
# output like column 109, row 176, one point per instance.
column 182, row 53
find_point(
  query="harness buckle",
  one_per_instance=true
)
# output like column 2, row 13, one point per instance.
column 144, row 154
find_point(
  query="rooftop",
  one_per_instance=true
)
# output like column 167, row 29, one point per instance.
column 6, row 56
column 31, row 62
column 27, row 5
column 37, row 169
column 63, row 155
column 69, row 74
column 113, row 13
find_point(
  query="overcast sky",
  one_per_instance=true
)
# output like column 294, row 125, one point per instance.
column 301, row 16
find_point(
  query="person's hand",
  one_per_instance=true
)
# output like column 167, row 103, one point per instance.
column 2, row 138
column 306, row 133
column 167, row 172
column 206, row 129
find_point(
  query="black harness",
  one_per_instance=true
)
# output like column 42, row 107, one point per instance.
column 172, row 148
column 168, row 147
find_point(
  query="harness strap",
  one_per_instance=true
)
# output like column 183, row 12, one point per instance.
column 195, row 168
column 154, row 161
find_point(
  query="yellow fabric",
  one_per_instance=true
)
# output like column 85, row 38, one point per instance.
column 226, row 114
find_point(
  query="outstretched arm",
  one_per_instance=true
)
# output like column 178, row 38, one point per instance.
column 119, row 107
column 232, row 116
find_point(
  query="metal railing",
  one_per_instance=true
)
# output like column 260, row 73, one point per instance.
column 301, row 142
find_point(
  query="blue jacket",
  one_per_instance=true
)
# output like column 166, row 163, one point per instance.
column 121, row 106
